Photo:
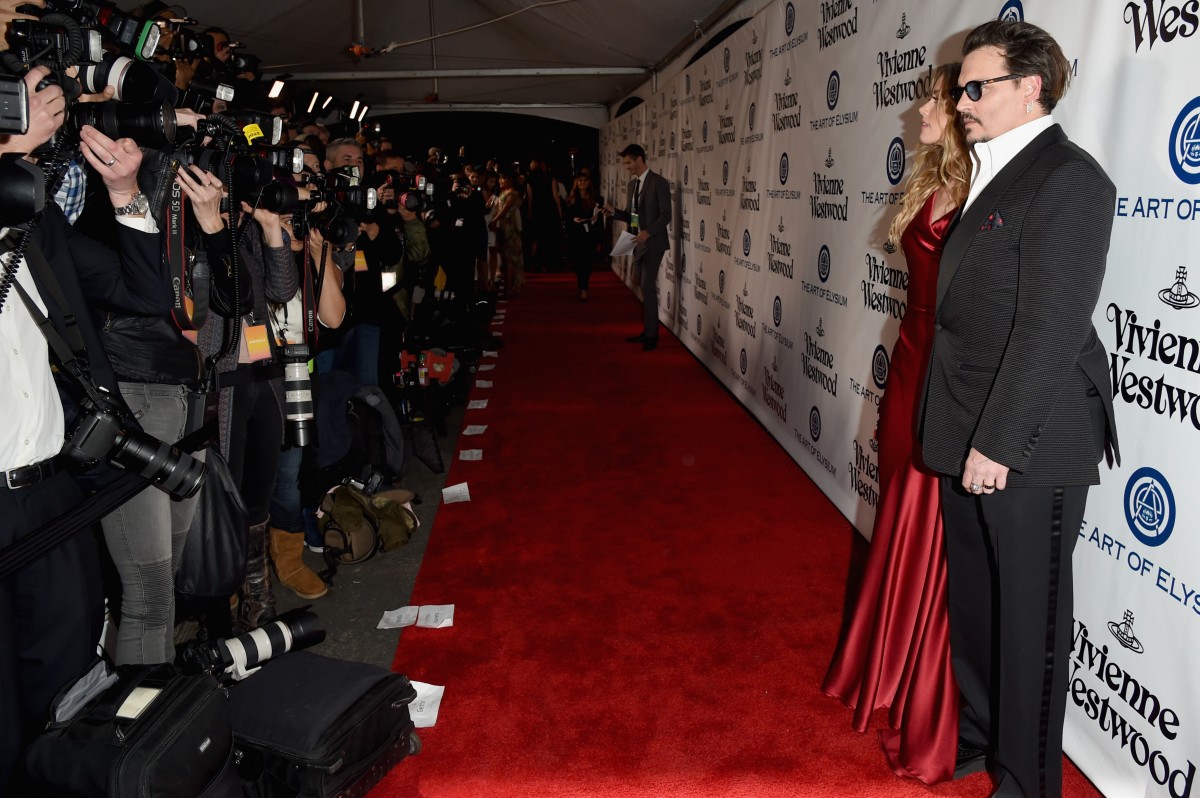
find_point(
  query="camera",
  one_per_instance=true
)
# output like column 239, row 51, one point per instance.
column 238, row 657
column 131, row 35
column 134, row 81
column 22, row 190
column 297, row 392
column 100, row 435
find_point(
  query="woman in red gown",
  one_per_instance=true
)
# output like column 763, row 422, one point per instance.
column 896, row 652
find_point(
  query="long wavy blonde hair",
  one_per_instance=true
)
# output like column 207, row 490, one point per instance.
column 947, row 163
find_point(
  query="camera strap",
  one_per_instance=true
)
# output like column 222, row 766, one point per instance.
column 193, row 282
column 311, row 298
column 71, row 356
column 16, row 556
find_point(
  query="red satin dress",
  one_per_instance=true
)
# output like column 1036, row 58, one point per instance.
column 897, row 651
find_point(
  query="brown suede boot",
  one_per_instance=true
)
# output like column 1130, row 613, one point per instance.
column 257, row 605
column 287, row 549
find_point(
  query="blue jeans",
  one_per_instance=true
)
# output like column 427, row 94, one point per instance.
column 145, row 536
column 358, row 354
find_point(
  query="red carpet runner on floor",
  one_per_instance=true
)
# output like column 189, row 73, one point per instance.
column 647, row 589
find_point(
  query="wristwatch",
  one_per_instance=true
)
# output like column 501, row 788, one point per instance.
column 138, row 205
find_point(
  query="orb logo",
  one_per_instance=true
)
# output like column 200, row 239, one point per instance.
column 823, row 263
column 783, row 169
column 725, row 173
column 672, row 140
column 726, row 59
column 685, row 175
column 1149, row 507
column 704, row 132
column 746, row 243
column 880, row 363
column 814, row 424
column 777, row 311
column 895, row 161
column 743, row 361
column 789, row 19
column 721, row 282
column 1012, row 12
column 753, row 108
column 1185, row 143
column 697, row 324
column 832, row 89
column 701, row 229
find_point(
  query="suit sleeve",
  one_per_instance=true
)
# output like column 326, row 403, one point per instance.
column 662, row 197
column 1063, row 249
column 133, row 280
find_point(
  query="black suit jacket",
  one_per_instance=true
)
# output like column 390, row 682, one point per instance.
column 93, row 278
column 653, row 216
column 1017, row 366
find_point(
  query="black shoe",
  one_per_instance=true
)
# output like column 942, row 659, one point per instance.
column 637, row 339
column 968, row 760
column 649, row 344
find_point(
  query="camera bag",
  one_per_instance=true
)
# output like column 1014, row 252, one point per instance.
column 142, row 730
column 309, row 726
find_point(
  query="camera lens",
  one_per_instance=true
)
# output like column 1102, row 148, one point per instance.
column 297, row 394
column 134, row 81
column 341, row 232
column 278, row 197
column 150, row 124
column 172, row 471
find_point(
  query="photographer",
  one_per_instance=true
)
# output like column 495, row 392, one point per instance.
column 51, row 611
column 250, row 401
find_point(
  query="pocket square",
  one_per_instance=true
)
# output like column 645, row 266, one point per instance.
column 994, row 221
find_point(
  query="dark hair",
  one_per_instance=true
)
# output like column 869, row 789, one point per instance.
column 634, row 151
column 1028, row 50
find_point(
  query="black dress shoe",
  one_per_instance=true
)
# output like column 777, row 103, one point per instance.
column 637, row 339
column 968, row 759
column 649, row 344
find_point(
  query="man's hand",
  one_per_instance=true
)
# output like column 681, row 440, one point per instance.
column 988, row 475
column 47, row 110
column 642, row 237
column 116, row 162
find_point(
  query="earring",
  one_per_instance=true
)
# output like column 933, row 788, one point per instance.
column 1029, row 108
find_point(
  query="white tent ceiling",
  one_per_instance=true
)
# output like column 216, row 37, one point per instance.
column 561, row 58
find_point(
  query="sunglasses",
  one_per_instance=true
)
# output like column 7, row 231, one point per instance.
column 974, row 88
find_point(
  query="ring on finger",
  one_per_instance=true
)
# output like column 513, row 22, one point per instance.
column 111, row 161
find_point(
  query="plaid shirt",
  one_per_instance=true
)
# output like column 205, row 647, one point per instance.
column 70, row 194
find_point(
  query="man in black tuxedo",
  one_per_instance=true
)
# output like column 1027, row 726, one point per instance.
column 1018, row 407
column 648, row 214
column 51, row 611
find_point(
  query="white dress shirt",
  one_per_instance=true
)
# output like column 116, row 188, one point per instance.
column 992, row 156
column 33, row 428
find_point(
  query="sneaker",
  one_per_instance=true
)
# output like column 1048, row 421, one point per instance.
column 314, row 549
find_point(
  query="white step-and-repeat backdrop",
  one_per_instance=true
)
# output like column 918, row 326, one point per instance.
column 787, row 147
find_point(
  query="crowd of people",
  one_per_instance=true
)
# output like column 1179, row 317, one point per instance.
column 336, row 267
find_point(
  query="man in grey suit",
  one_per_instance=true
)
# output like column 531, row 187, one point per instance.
column 648, row 214
column 1018, row 406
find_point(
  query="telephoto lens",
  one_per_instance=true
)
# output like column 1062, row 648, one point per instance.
column 176, row 473
column 134, row 81
column 278, row 197
column 297, row 393
column 240, row 656
column 150, row 124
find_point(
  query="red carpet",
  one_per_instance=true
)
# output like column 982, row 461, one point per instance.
column 647, row 588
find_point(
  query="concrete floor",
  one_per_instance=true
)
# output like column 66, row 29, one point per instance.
column 361, row 593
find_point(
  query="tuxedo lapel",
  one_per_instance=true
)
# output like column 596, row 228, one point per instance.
column 966, row 224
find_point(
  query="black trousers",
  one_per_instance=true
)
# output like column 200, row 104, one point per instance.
column 50, row 618
column 649, row 263
column 1010, row 593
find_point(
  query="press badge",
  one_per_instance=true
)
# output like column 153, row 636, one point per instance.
column 257, row 345
column 360, row 260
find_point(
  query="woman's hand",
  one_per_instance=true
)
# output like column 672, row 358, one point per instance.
column 205, row 191
column 116, row 162
column 271, row 224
